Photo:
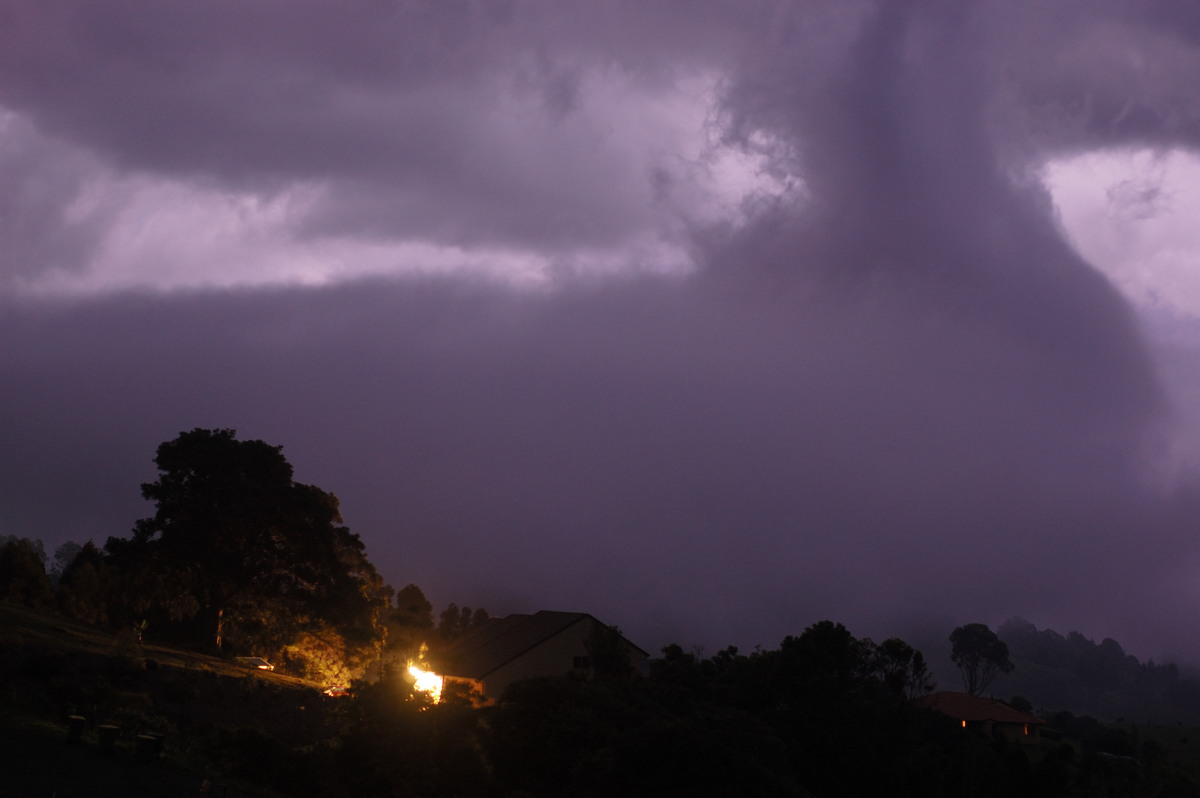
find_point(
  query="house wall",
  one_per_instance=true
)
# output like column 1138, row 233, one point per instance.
column 1017, row 733
column 1013, row 732
column 555, row 656
column 552, row 657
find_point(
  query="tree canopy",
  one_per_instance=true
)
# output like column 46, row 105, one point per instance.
column 238, row 553
column 980, row 655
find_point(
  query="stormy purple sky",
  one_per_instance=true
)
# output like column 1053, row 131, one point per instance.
column 711, row 319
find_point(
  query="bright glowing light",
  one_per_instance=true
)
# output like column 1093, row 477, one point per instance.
column 427, row 682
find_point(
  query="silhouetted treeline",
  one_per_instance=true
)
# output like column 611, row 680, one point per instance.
column 240, row 558
column 824, row 714
column 1077, row 674
column 138, row 594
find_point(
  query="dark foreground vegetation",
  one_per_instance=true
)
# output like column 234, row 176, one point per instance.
column 119, row 675
column 825, row 714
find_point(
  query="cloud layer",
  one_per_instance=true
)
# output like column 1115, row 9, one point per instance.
column 711, row 324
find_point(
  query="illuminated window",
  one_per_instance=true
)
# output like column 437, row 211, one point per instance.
column 964, row 724
column 1026, row 729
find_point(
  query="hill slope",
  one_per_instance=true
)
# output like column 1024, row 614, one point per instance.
column 205, row 709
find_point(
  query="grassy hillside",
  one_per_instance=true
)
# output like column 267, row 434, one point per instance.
column 22, row 627
column 212, row 715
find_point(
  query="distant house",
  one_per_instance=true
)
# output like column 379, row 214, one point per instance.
column 989, row 716
column 504, row 650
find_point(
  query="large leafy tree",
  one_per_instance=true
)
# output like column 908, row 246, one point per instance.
column 241, row 554
column 980, row 655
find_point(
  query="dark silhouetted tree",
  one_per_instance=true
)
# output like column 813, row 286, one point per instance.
column 63, row 556
column 240, row 551
column 980, row 655
column 412, row 608
column 23, row 578
column 455, row 620
column 83, row 587
column 38, row 548
column 409, row 624
column 902, row 668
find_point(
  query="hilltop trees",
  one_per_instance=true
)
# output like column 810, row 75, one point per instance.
column 83, row 586
column 902, row 668
column 1072, row 672
column 238, row 554
column 456, row 621
column 980, row 655
column 23, row 578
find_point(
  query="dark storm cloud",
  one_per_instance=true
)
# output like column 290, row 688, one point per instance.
column 912, row 203
column 694, row 468
column 893, row 395
column 454, row 122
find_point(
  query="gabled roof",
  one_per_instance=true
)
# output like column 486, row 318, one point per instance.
column 963, row 706
column 501, row 640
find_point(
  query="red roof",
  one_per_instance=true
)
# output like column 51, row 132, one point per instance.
column 962, row 706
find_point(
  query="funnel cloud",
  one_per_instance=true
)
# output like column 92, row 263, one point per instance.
column 712, row 323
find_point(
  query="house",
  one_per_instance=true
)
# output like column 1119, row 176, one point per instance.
column 504, row 650
column 989, row 716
